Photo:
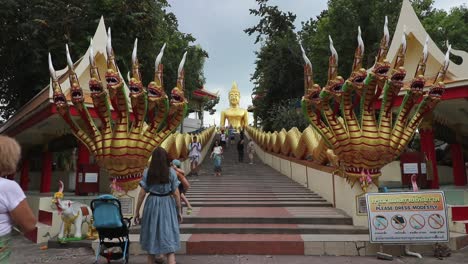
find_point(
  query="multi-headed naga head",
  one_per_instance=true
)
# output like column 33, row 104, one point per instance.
column 120, row 146
column 374, row 142
column 418, row 82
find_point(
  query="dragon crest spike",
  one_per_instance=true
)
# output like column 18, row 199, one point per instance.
column 443, row 70
column 72, row 77
column 109, row 42
column 52, row 72
column 447, row 57
column 359, row 53
column 128, row 77
column 69, row 60
column 382, row 53
column 180, row 73
column 386, row 33
column 400, row 61
column 308, row 78
column 181, row 65
column 425, row 53
column 360, row 41
column 403, row 38
column 134, row 52
column 135, row 65
column 159, row 58
column 91, row 54
column 304, row 56
column 333, row 50
column 111, row 65
column 332, row 61
column 421, row 69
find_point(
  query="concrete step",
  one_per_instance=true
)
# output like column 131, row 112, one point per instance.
column 277, row 203
column 256, row 199
column 288, row 244
column 264, row 229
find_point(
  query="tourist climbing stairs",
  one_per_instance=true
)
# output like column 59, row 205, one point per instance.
column 253, row 209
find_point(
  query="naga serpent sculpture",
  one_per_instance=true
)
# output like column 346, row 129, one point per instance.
column 301, row 145
column 362, row 143
column 122, row 146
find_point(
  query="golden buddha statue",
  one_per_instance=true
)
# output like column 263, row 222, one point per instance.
column 237, row 117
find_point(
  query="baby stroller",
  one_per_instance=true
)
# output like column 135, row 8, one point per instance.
column 111, row 225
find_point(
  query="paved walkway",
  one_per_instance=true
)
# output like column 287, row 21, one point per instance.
column 25, row 252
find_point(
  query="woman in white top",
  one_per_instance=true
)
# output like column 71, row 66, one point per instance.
column 217, row 155
column 13, row 206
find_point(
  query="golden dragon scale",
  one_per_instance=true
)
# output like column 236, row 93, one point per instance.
column 124, row 146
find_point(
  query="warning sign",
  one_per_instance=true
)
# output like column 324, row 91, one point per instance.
column 406, row 217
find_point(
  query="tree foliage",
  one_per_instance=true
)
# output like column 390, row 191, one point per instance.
column 278, row 73
column 30, row 29
column 278, row 60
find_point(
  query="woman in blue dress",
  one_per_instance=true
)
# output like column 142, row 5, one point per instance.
column 159, row 233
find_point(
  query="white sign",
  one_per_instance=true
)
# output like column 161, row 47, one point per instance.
column 405, row 217
column 410, row 168
column 91, row 177
column 126, row 205
column 423, row 168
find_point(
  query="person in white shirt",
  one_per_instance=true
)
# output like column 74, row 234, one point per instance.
column 194, row 155
column 14, row 208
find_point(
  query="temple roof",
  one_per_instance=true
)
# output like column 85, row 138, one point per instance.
column 202, row 92
column 416, row 36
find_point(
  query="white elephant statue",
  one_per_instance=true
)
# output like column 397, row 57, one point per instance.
column 72, row 213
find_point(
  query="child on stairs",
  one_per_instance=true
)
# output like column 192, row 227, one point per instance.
column 184, row 184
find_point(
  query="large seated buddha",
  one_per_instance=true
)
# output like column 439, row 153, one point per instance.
column 237, row 117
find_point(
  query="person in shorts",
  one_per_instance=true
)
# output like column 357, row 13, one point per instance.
column 194, row 156
column 184, row 184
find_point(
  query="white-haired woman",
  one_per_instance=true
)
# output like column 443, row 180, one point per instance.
column 13, row 206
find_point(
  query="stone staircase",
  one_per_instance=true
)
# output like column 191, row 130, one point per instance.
column 252, row 209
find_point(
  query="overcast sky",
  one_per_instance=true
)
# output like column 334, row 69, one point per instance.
column 218, row 27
